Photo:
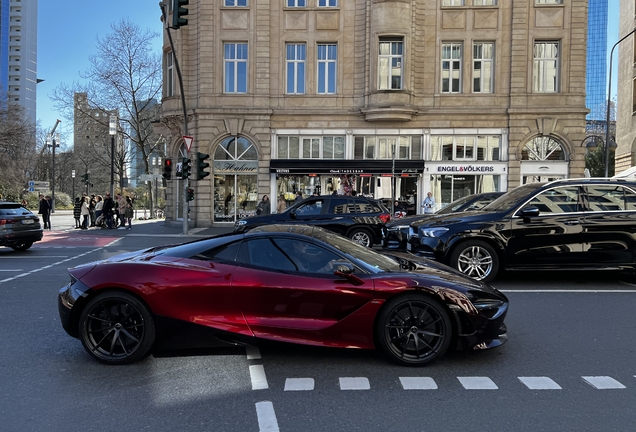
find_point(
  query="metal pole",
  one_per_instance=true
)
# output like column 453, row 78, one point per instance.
column 53, row 176
column 73, row 177
column 393, row 181
column 609, row 101
column 112, row 165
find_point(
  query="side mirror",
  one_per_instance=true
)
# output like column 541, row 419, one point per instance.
column 528, row 212
column 346, row 270
column 292, row 213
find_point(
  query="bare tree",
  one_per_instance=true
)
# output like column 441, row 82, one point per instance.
column 124, row 75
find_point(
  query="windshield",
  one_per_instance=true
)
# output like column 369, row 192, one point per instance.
column 452, row 207
column 512, row 198
column 374, row 260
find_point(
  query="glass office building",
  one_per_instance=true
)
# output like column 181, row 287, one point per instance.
column 596, row 80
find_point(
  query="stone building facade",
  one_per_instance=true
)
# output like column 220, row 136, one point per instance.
column 384, row 97
column 625, row 156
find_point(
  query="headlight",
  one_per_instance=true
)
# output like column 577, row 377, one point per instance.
column 241, row 223
column 433, row 232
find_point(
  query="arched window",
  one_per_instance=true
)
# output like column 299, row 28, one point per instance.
column 235, row 149
column 543, row 148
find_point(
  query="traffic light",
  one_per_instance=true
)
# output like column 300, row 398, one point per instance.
column 190, row 195
column 178, row 13
column 167, row 169
column 85, row 178
column 202, row 165
column 186, row 168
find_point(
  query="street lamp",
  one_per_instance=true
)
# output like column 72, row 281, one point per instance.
column 609, row 95
column 54, row 139
column 112, row 130
column 73, row 177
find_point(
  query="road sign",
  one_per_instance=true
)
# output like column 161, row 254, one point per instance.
column 188, row 142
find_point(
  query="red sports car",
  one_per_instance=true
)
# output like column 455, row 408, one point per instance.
column 287, row 283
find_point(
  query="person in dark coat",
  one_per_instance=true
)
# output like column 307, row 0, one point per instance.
column 299, row 197
column 108, row 209
column 45, row 211
column 77, row 212
column 264, row 207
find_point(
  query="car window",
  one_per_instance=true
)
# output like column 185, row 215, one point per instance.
column 222, row 253
column 266, row 254
column 512, row 198
column 307, row 257
column 630, row 199
column 557, row 200
column 608, row 197
column 14, row 210
column 310, row 208
column 454, row 206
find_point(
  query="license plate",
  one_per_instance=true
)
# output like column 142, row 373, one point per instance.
column 408, row 246
column 27, row 221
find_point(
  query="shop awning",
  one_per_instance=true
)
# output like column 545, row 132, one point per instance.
column 346, row 166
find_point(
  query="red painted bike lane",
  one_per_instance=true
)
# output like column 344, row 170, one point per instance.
column 72, row 239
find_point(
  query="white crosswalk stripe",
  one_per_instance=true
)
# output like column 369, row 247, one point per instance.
column 477, row 383
column 359, row 383
column 603, row 382
column 299, row 384
column 540, row 383
column 418, row 383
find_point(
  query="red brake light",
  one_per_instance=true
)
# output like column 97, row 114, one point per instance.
column 3, row 221
column 385, row 217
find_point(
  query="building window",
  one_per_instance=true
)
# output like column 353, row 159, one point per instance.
column 390, row 65
column 452, row 2
column 546, row 67
column 327, row 3
column 452, row 67
column 484, row 2
column 326, row 147
column 327, row 57
column 379, row 147
column 543, row 148
column 296, row 3
column 333, row 147
column 235, row 62
column 169, row 74
column 465, row 148
column 235, row 3
column 296, row 55
column 483, row 61
column 548, row 1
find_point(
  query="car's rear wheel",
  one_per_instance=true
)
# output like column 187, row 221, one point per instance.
column 116, row 328
column 476, row 259
column 22, row 247
column 414, row 329
column 362, row 236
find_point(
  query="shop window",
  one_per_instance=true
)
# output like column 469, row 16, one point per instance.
column 543, row 149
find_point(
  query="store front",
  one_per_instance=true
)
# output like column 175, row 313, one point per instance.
column 235, row 180
column 543, row 159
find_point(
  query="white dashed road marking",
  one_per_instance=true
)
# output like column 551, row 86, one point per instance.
column 477, row 383
column 359, row 383
column 266, row 417
column 418, row 383
column 540, row 383
column 259, row 380
column 299, row 384
column 603, row 382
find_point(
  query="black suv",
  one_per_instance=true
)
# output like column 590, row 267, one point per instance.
column 359, row 218
column 587, row 224
column 19, row 228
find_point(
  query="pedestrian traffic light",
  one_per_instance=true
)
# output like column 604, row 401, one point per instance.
column 167, row 169
column 186, row 168
column 85, row 178
column 202, row 165
column 190, row 194
column 178, row 13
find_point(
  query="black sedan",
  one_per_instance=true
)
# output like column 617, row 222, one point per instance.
column 573, row 224
column 288, row 283
column 398, row 230
column 19, row 228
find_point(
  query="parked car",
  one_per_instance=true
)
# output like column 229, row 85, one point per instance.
column 407, row 207
column 397, row 231
column 19, row 228
column 583, row 224
column 359, row 218
column 289, row 283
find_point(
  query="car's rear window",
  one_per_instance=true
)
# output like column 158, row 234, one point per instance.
column 355, row 206
column 13, row 210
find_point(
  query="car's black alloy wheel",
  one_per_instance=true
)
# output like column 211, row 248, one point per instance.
column 361, row 236
column 116, row 328
column 22, row 247
column 414, row 329
column 476, row 259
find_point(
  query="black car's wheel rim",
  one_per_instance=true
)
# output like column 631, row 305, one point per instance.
column 416, row 332
column 475, row 262
column 362, row 238
column 114, row 329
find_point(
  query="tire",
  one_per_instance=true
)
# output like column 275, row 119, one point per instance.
column 116, row 328
column 413, row 329
column 22, row 247
column 476, row 259
column 362, row 236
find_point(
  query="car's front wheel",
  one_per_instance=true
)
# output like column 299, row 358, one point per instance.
column 476, row 259
column 22, row 246
column 116, row 328
column 414, row 329
column 362, row 236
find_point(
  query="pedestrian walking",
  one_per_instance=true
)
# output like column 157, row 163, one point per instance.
column 91, row 209
column 299, row 197
column 45, row 211
column 281, row 205
column 108, row 210
column 99, row 204
column 429, row 203
column 121, row 210
column 129, row 211
column 264, row 207
column 77, row 211
column 86, row 213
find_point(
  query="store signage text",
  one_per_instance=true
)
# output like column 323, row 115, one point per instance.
column 235, row 167
column 465, row 168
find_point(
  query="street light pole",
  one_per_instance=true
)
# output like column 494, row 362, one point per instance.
column 54, row 144
column 112, row 130
column 73, row 177
column 609, row 101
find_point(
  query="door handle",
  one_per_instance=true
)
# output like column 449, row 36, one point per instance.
column 572, row 222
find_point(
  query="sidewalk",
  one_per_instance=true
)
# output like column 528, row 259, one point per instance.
column 62, row 220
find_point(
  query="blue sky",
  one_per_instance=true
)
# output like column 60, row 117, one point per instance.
column 68, row 31
column 67, row 37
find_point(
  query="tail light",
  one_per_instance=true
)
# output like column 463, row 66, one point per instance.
column 4, row 221
column 385, row 217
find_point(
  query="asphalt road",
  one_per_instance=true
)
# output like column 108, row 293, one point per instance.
column 568, row 366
